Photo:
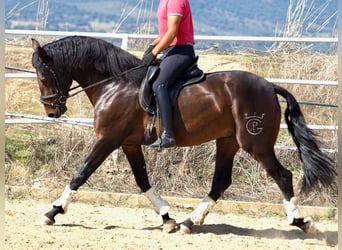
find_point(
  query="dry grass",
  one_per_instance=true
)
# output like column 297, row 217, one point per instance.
column 48, row 155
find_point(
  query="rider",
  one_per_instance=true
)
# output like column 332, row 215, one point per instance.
column 176, row 40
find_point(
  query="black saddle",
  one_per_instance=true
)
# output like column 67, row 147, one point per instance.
column 192, row 75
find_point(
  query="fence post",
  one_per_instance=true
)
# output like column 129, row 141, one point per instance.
column 124, row 43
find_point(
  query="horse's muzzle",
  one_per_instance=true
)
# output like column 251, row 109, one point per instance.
column 57, row 111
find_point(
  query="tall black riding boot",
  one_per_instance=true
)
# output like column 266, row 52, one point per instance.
column 166, row 140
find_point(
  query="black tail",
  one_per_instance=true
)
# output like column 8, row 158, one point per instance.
column 318, row 168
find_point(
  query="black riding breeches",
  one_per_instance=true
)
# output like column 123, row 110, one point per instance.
column 173, row 63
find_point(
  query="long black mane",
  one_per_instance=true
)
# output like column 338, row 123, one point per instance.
column 81, row 52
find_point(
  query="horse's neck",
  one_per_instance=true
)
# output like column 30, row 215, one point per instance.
column 95, row 83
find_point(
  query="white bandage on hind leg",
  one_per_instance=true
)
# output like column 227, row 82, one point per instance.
column 292, row 209
column 198, row 215
column 64, row 200
column 160, row 206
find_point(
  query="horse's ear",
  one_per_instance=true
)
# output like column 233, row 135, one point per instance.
column 40, row 51
column 35, row 43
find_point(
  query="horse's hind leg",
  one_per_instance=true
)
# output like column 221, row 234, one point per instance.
column 226, row 149
column 283, row 178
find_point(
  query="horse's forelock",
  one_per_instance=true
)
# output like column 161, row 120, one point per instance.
column 39, row 65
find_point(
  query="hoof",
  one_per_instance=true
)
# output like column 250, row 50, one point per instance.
column 185, row 226
column 45, row 221
column 184, row 229
column 170, row 226
column 307, row 224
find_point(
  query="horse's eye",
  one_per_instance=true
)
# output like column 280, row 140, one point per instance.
column 41, row 76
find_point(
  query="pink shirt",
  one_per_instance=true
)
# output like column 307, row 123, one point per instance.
column 181, row 8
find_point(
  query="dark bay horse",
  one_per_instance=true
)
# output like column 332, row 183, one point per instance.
column 238, row 109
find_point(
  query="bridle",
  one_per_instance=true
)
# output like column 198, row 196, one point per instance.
column 58, row 95
column 60, row 98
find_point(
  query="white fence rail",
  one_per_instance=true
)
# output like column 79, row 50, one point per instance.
column 124, row 45
column 125, row 37
column 88, row 122
column 34, row 119
column 274, row 80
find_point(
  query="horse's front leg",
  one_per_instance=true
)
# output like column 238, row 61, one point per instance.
column 136, row 160
column 101, row 149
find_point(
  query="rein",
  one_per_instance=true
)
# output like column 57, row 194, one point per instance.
column 63, row 98
column 102, row 81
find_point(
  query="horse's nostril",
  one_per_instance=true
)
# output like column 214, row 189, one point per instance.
column 51, row 115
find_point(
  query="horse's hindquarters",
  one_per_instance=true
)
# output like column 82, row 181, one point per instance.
column 231, row 103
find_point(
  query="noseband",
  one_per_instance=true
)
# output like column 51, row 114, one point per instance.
column 61, row 100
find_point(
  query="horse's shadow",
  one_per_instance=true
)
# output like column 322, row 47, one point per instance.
column 221, row 229
column 331, row 237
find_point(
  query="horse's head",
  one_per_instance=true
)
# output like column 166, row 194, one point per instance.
column 53, row 83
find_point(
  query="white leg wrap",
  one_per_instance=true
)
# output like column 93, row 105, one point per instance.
column 292, row 209
column 160, row 206
column 198, row 215
column 64, row 200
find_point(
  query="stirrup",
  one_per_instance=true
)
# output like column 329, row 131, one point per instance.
column 163, row 142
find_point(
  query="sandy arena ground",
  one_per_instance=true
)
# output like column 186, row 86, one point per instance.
column 87, row 226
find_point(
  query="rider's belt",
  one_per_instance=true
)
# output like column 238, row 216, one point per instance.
column 187, row 43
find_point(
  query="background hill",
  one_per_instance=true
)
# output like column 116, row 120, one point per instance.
column 219, row 17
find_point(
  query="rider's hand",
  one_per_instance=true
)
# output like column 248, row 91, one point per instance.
column 149, row 49
column 148, row 58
